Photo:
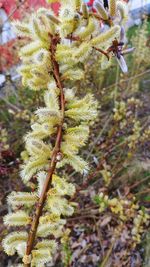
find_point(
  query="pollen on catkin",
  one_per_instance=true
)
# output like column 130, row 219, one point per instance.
column 53, row 60
column 112, row 8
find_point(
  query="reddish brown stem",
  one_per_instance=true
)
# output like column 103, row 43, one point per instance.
column 101, row 51
column 56, row 150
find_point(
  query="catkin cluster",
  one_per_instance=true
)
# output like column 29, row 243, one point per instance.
column 54, row 56
column 127, row 210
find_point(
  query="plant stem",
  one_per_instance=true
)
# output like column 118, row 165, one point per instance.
column 102, row 52
column 56, row 150
column 116, row 85
column 106, row 259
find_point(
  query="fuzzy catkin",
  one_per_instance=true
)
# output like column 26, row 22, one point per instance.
column 52, row 62
column 101, row 11
column 109, row 35
column 112, row 8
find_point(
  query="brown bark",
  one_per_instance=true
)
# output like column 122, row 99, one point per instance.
column 56, row 150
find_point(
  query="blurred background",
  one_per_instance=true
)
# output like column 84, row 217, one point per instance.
column 110, row 87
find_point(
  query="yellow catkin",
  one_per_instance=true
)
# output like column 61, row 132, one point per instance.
column 85, row 11
column 106, row 36
column 78, row 4
column 30, row 48
column 53, row 19
column 63, row 42
column 21, row 29
column 89, row 29
column 121, row 7
column 27, row 259
column 101, row 10
column 112, row 8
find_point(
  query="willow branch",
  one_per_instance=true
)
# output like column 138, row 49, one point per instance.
column 56, row 150
column 101, row 51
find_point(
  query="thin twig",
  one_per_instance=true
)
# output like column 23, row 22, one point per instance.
column 116, row 86
column 102, row 52
column 56, row 150
column 10, row 15
column 139, row 182
column 10, row 105
column 143, row 192
column 106, row 259
column 126, row 80
column 78, row 218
